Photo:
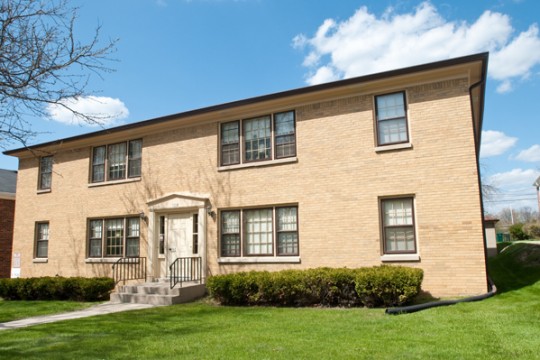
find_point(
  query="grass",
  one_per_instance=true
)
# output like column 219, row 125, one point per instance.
column 505, row 326
column 15, row 310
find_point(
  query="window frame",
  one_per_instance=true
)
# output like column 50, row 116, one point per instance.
column 128, row 160
column 241, row 144
column 384, row 227
column 104, row 239
column 243, row 231
column 47, row 172
column 38, row 239
column 405, row 118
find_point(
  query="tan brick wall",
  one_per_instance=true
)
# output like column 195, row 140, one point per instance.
column 336, row 182
column 7, row 213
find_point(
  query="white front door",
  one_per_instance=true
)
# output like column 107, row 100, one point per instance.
column 179, row 239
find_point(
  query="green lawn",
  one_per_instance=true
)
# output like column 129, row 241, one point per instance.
column 506, row 326
column 14, row 310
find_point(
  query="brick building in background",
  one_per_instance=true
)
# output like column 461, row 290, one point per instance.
column 8, row 184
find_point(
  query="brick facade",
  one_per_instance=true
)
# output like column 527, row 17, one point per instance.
column 7, row 214
column 337, row 180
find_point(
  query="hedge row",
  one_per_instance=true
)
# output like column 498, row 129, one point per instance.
column 377, row 286
column 57, row 288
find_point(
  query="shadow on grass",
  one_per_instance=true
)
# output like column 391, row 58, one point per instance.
column 516, row 267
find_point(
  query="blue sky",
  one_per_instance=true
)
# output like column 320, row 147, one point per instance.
column 177, row 55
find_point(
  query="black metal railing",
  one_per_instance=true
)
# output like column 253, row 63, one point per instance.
column 185, row 269
column 129, row 268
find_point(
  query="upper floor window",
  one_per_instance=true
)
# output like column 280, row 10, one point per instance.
column 398, row 226
column 42, row 240
column 391, row 113
column 260, row 232
column 116, row 161
column 45, row 172
column 258, row 139
column 116, row 237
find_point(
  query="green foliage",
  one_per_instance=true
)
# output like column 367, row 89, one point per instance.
column 517, row 233
column 533, row 230
column 388, row 285
column 56, row 288
column 321, row 286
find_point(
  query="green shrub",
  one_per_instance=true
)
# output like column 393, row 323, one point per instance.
column 321, row 286
column 517, row 233
column 388, row 285
column 56, row 288
column 533, row 230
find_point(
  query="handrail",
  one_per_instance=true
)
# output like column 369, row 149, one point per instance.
column 129, row 268
column 185, row 269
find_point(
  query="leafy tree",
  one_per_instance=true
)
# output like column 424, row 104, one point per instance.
column 42, row 63
column 517, row 233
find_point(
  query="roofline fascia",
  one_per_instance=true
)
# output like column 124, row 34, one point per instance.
column 258, row 99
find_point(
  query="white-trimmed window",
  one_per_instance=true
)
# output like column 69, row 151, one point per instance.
column 116, row 161
column 45, row 172
column 115, row 237
column 398, row 225
column 262, row 138
column 269, row 231
column 42, row 240
column 391, row 113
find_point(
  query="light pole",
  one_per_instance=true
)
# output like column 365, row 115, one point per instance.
column 537, row 184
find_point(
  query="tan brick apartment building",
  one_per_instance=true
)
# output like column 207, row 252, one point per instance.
column 377, row 169
column 8, row 182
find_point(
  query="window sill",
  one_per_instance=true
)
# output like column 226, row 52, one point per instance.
column 44, row 191
column 400, row 257
column 101, row 260
column 393, row 147
column 123, row 181
column 260, row 260
column 40, row 260
column 259, row 164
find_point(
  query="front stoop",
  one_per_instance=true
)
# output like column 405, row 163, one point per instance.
column 158, row 293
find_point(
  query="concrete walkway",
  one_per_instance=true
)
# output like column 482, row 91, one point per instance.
column 101, row 309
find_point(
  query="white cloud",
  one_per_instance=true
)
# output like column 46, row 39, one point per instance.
column 531, row 154
column 107, row 111
column 495, row 143
column 365, row 44
column 514, row 190
column 515, row 178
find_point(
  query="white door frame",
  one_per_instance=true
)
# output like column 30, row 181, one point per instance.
column 183, row 202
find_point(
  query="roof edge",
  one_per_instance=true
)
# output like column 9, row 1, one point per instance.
column 298, row 91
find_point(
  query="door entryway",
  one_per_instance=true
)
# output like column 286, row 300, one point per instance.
column 178, row 238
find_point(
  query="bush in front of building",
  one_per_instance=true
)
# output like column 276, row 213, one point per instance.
column 57, row 288
column 318, row 287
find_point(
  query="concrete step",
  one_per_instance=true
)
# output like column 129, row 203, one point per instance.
column 157, row 294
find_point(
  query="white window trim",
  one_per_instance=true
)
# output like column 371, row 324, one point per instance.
column 393, row 147
column 40, row 260
column 115, row 182
column 400, row 257
column 107, row 260
column 259, row 164
column 260, row 260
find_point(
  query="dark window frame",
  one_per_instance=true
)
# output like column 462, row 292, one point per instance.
column 379, row 121
column 38, row 239
column 384, row 227
column 241, row 144
column 105, row 245
column 195, row 234
column 242, row 231
column 104, row 165
column 45, row 170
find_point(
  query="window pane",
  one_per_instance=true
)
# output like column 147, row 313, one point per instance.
column 230, row 245
column 391, row 118
column 132, row 246
column 230, row 143
column 288, row 243
column 400, row 239
column 96, row 236
column 135, row 153
column 285, row 135
column 42, row 240
column 117, row 161
column 45, row 172
column 398, row 212
column 42, row 249
column 230, row 222
column 286, row 218
column 133, row 227
column 258, row 232
column 398, row 225
column 95, row 247
column 257, row 138
column 114, row 237
column 230, row 233
column 98, row 164
column 287, row 226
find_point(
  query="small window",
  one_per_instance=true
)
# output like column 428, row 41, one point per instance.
column 161, row 249
column 42, row 240
column 195, row 233
column 263, row 138
column 119, row 237
column 230, row 233
column 45, row 172
column 287, row 231
column 116, row 161
column 391, row 115
column 398, row 226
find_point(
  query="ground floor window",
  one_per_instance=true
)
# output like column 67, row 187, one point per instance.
column 398, row 225
column 268, row 231
column 42, row 240
column 114, row 237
